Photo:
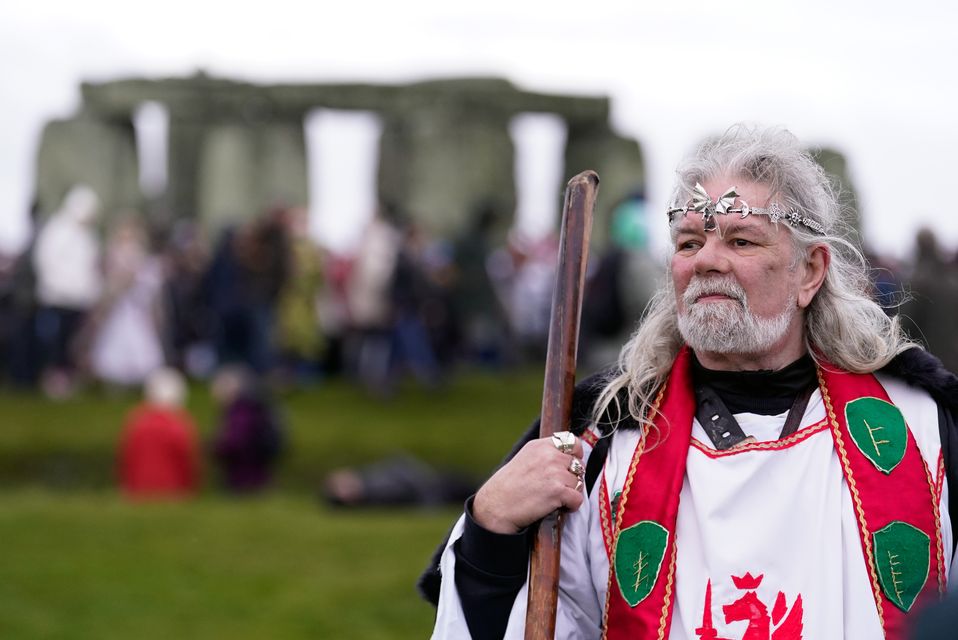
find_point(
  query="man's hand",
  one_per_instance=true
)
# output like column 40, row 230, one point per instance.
column 536, row 482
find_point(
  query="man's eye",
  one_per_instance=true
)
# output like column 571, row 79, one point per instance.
column 689, row 244
column 741, row 242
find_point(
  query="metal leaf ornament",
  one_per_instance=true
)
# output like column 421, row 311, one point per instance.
column 702, row 202
column 725, row 201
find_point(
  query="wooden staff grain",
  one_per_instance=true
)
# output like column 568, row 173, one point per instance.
column 557, row 391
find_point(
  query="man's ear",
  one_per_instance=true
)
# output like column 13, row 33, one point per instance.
column 816, row 266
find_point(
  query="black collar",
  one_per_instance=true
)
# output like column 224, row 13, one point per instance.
column 764, row 392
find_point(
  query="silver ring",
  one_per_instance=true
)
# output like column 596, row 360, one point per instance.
column 575, row 467
column 564, row 441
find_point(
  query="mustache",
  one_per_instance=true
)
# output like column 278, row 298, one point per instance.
column 699, row 287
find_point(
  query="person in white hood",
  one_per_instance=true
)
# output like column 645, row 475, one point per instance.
column 68, row 276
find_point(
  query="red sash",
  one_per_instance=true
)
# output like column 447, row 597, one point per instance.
column 895, row 499
column 879, row 458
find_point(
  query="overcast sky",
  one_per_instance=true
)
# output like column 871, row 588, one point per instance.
column 875, row 80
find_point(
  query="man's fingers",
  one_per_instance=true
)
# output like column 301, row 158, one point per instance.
column 577, row 449
column 572, row 499
column 576, row 444
column 539, row 480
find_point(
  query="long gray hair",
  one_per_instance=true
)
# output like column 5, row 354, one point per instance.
column 843, row 324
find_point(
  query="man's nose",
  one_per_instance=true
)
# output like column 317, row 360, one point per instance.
column 712, row 257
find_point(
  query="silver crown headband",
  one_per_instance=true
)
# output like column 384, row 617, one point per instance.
column 702, row 203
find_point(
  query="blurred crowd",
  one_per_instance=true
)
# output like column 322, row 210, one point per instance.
column 86, row 305
column 262, row 306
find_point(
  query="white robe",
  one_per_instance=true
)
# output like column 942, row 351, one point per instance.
column 127, row 347
column 784, row 514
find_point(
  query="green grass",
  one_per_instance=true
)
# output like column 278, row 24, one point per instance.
column 469, row 425
column 79, row 562
column 90, row 565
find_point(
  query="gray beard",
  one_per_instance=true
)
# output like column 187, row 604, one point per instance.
column 729, row 327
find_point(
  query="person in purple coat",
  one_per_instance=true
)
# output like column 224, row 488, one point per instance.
column 250, row 438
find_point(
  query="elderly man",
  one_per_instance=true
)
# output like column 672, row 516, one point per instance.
column 769, row 459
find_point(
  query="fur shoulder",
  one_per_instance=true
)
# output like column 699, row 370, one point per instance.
column 583, row 399
column 920, row 368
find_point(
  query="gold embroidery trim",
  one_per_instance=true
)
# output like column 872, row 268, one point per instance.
column 623, row 498
column 805, row 432
column 663, row 622
column 605, row 517
column 935, row 497
column 859, row 511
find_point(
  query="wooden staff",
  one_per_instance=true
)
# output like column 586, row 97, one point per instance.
column 559, row 384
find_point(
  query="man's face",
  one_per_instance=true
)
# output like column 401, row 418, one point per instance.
column 738, row 288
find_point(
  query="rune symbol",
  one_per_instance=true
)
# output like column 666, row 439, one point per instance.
column 871, row 434
column 640, row 567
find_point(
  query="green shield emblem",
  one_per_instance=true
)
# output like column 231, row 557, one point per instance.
column 901, row 555
column 879, row 431
column 639, row 552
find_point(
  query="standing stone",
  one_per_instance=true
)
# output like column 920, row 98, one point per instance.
column 236, row 148
column 441, row 155
column 617, row 160
column 91, row 151
column 244, row 170
column 186, row 143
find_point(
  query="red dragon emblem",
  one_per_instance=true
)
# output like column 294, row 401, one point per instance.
column 782, row 624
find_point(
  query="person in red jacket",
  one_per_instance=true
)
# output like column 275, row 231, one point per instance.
column 159, row 452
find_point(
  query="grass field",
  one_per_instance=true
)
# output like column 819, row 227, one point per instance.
column 88, row 565
column 468, row 425
column 80, row 562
